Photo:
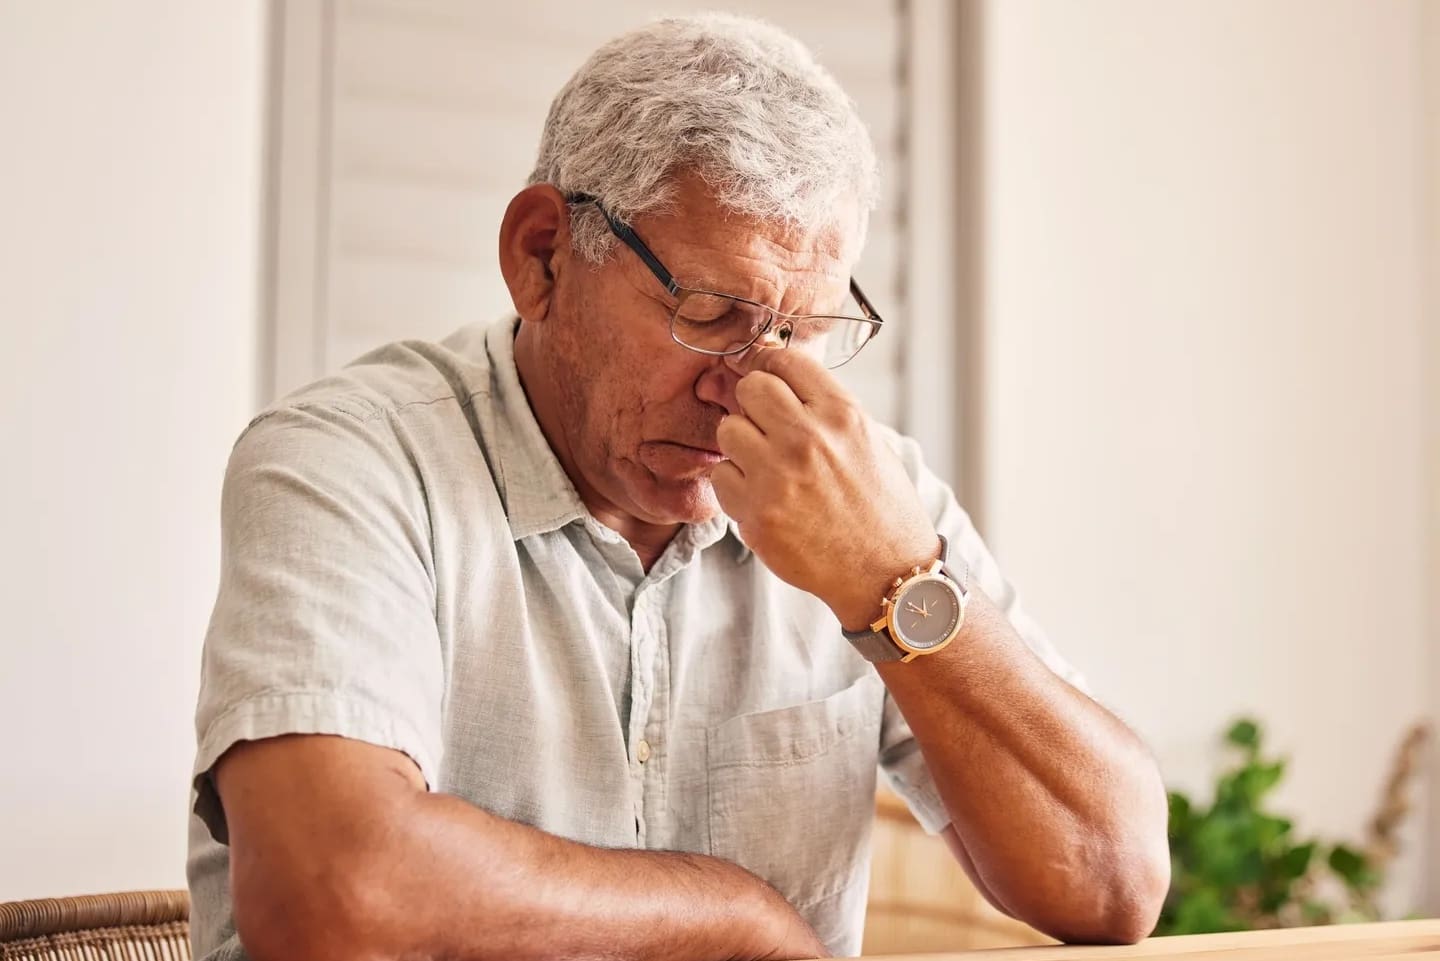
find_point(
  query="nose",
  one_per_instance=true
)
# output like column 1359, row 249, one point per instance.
column 716, row 385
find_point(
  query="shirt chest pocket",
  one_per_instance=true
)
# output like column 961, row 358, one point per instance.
column 792, row 791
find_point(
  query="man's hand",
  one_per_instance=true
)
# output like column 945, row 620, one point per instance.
column 818, row 495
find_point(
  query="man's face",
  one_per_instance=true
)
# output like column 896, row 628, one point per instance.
column 640, row 411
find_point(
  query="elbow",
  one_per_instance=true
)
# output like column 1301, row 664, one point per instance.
column 1128, row 876
column 332, row 915
column 1132, row 914
column 1123, row 909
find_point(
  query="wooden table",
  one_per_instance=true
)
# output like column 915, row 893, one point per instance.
column 1391, row 941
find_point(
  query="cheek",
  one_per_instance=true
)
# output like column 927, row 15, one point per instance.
column 638, row 383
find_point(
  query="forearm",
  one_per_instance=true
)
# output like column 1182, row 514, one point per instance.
column 535, row 895
column 358, row 861
column 1058, row 805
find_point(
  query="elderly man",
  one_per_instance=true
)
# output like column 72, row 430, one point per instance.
column 584, row 634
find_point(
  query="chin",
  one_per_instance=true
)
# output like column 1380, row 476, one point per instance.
column 689, row 501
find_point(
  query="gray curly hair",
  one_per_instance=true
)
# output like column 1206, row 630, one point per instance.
column 736, row 101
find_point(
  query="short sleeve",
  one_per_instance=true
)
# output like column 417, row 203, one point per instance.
column 900, row 758
column 325, row 618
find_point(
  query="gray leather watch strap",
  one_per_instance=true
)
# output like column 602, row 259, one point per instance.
column 877, row 645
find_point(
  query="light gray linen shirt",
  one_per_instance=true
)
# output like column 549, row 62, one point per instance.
column 406, row 563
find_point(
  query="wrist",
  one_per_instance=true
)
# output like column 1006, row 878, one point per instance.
column 864, row 601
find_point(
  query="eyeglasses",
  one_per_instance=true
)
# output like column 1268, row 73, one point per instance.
column 710, row 322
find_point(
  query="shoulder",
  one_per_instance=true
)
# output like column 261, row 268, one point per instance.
column 396, row 377
column 364, row 401
column 373, row 429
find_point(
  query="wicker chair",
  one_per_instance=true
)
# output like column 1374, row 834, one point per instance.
column 133, row 926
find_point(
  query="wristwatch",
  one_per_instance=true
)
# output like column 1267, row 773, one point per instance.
column 921, row 614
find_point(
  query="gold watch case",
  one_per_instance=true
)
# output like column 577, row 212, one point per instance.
column 905, row 586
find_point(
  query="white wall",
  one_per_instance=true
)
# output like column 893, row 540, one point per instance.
column 1203, row 437
column 130, row 180
column 1430, row 52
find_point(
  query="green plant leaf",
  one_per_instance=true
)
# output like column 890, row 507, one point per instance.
column 1353, row 867
column 1296, row 861
column 1272, row 901
column 1244, row 787
column 1346, row 862
column 1270, row 832
column 1244, row 733
column 1204, row 912
column 1181, row 817
column 1236, row 865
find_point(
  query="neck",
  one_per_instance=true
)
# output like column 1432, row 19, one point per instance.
column 646, row 539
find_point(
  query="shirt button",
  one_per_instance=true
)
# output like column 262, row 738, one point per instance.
column 642, row 751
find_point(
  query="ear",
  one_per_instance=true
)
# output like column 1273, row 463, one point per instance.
column 534, row 245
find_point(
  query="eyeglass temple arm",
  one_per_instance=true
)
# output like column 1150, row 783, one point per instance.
column 633, row 242
column 865, row 306
column 658, row 269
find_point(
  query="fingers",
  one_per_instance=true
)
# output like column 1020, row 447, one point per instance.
column 806, row 376
column 729, row 485
column 741, row 441
column 769, row 402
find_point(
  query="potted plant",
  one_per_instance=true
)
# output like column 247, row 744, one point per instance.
column 1236, row 865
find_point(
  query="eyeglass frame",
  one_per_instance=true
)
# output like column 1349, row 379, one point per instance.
column 667, row 280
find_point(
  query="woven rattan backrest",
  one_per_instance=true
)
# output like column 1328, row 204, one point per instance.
column 133, row 926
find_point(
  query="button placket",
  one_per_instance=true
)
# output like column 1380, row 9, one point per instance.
column 644, row 642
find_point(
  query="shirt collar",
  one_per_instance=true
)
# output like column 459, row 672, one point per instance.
column 537, row 494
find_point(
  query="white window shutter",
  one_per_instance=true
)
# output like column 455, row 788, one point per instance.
column 404, row 127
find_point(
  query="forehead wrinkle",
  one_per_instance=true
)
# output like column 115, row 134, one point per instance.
column 782, row 266
column 780, row 282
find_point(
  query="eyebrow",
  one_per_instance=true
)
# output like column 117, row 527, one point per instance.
column 701, row 280
column 742, row 291
column 668, row 279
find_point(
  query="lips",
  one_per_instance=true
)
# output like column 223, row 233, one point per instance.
column 698, row 449
column 699, row 455
column 674, row 458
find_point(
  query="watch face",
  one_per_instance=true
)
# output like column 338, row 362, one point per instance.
column 927, row 613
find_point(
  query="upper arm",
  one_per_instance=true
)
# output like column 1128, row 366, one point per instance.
column 324, row 623
column 308, row 817
column 297, row 790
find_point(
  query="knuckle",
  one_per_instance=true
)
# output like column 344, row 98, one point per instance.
column 771, row 514
column 745, row 389
column 756, row 388
column 806, row 449
column 846, row 415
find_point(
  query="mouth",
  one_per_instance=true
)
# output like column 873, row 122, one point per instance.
column 683, row 459
column 705, row 452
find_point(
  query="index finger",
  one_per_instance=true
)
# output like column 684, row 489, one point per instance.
column 805, row 375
